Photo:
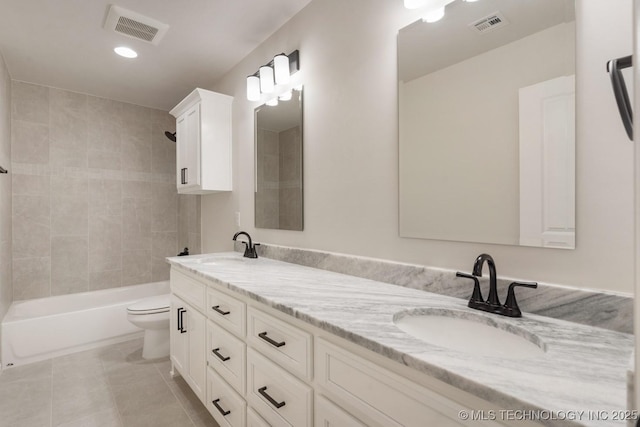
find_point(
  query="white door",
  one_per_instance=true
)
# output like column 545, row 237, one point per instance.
column 547, row 163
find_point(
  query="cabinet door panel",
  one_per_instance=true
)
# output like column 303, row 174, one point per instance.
column 178, row 341
column 195, row 324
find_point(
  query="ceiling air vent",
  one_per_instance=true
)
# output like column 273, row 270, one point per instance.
column 489, row 23
column 134, row 25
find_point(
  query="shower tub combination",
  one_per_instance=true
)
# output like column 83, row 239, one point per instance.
column 44, row 328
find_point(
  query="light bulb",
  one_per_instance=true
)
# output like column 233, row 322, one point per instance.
column 414, row 4
column 253, row 88
column 272, row 102
column 285, row 96
column 126, row 52
column 281, row 69
column 266, row 79
column 434, row 15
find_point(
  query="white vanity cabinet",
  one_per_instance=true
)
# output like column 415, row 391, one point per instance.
column 203, row 139
column 264, row 368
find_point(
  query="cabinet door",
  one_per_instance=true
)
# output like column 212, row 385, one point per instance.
column 197, row 366
column 188, row 149
column 179, row 340
column 327, row 414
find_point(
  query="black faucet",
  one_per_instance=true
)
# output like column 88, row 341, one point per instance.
column 250, row 247
column 185, row 252
column 492, row 304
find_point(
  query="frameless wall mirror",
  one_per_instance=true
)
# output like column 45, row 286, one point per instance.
column 487, row 124
column 278, row 154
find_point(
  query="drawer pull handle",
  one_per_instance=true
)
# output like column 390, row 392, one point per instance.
column 216, row 351
column 263, row 392
column 217, row 309
column 219, row 408
column 264, row 336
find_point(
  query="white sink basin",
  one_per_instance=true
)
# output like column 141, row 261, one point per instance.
column 226, row 259
column 472, row 333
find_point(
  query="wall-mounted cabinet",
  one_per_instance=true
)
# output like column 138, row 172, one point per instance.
column 203, row 151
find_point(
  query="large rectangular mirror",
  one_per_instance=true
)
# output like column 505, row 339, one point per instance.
column 278, row 158
column 487, row 126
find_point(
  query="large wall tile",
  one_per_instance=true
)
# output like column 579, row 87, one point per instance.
column 105, row 197
column 164, row 245
column 136, row 224
column 30, row 102
column 104, row 124
column 31, row 185
column 164, row 207
column 30, row 142
column 69, row 206
column 163, row 150
column 105, row 243
column 68, row 130
column 31, row 278
column 69, row 265
column 31, row 226
column 136, row 140
column 136, row 267
column 105, row 280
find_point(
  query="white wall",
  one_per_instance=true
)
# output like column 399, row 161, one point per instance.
column 6, row 292
column 348, row 61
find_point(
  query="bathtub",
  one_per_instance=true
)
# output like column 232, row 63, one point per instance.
column 43, row 328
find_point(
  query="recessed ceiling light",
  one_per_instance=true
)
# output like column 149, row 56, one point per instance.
column 126, row 52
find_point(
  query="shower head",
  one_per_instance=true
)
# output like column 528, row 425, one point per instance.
column 171, row 136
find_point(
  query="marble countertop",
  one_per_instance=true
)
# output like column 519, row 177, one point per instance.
column 579, row 380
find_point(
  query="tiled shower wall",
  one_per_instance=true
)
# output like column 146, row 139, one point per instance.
column 94, row 195
column 279, row 195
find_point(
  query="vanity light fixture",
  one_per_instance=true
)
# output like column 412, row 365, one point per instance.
column 434, row 8
column 271, row 75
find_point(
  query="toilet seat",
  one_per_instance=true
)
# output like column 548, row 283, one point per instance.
column 152, row 305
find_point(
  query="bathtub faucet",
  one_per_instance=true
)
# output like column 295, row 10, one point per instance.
column 250, row 247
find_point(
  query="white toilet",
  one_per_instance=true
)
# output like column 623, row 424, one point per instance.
column 152, row 315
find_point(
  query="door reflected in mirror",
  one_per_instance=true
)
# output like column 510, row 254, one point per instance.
column 487, row 124
column 278, row 158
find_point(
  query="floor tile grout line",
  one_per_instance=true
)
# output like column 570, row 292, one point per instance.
column 174, row 395
column 51, row 398
column 111, row 393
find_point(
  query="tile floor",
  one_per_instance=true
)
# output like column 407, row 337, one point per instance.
column 105, row 387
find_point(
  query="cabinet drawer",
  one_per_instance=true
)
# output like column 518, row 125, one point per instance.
column 328, row 414
column 188, row 289
column 226, row 406
column 255, row 420
column 279, row 397
column 227, row 355
column 287, row 345
column 383, row 397
column 226, row 311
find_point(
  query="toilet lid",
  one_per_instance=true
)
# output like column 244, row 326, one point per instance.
column 151, row 305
